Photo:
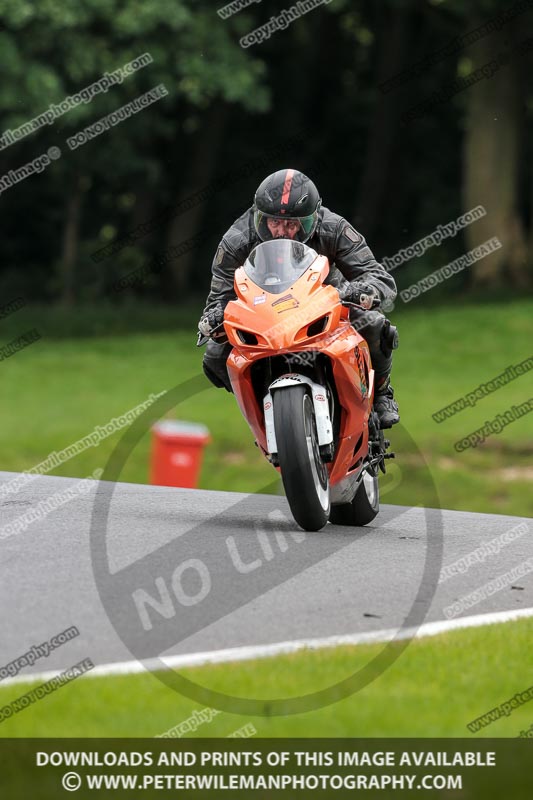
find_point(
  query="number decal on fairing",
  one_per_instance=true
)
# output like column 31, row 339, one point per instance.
column 361, row 368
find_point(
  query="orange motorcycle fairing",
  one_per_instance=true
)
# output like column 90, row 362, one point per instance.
column 306, row 318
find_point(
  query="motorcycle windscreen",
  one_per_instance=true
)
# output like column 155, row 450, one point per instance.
column 276, row 265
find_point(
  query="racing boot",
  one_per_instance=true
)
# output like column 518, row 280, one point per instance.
column 385, row 405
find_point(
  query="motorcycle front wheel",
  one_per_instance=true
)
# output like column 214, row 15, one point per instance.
column 304, row 474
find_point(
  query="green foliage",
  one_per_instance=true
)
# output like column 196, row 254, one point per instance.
column 54, row 48
column 320, row 76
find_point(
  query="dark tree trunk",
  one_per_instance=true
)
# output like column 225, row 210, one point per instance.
column 492, row 164
column 71, row 236
column 201, row 171
column 382, row 128
column 530, row 243
column 143, row 210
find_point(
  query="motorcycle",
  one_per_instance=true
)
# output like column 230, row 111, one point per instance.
column 303, row 379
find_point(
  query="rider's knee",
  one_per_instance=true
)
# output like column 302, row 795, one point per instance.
column 369, row 324
column 388, row 340
column 214, row 367
column 379, row 334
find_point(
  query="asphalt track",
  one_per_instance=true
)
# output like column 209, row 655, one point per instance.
column 229, row 570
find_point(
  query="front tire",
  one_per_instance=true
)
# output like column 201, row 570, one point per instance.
column 304, row 474
column 363, row 508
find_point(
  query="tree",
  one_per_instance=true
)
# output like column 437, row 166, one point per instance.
column 493, row 157
column 51, row 50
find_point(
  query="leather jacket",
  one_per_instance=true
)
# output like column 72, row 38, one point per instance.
column 349, row 256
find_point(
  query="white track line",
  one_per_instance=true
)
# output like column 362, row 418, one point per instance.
column 251, row 652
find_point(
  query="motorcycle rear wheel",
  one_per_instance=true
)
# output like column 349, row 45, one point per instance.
column 304, row 474
column 363, row 508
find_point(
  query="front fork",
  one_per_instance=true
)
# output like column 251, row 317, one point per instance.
column 321, row 407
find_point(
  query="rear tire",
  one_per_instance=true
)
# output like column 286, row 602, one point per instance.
column 304, row 474
column 363, row 508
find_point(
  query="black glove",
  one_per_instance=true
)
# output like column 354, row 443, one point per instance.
column 211, row 320
column 362, row 294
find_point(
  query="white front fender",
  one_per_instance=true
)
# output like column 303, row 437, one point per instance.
column 320, row 401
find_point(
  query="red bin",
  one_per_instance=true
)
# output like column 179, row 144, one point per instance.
column 177, row 449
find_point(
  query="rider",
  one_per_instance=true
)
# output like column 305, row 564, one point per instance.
column 287, row 205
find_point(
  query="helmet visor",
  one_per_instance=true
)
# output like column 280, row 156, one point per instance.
column 299, row 229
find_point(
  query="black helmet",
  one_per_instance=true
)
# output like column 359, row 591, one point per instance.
column 287, row 194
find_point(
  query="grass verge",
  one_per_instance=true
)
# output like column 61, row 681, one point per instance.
column 450, row 680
